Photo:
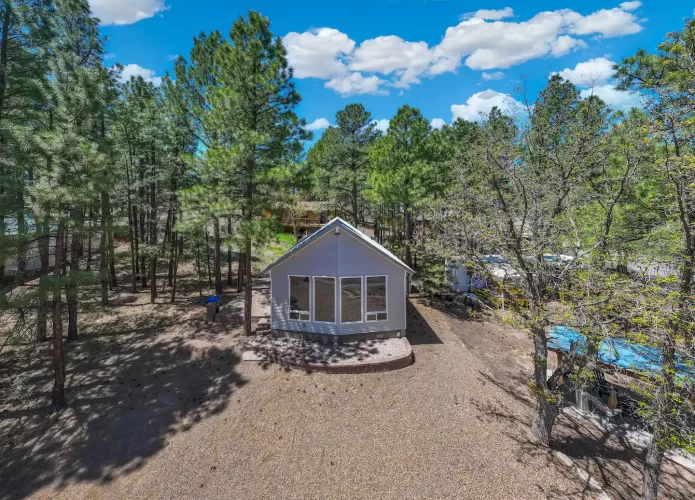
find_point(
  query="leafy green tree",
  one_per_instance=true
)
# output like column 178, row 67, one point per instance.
column 403, row 167
column 340, row 159
column 666, row 80
column 252, row 113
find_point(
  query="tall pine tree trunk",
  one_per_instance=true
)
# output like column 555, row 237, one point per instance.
column 218, row 258
column 58, row 394
column 103, row 257
column 241, row 267
column 71, row 288
column 21, row 238
column 652, row 470
column 90, row 234
column 229, row 253
column 42, row 314
column 248, row 287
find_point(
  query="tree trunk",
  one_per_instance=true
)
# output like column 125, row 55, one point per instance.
column 354, row 199
column 177, row 254
column 207, row 256
column 58, row 394
column 652, row 470
column 103, row 270
column 21, row 239
column 71, row 288
column 546, row 411
column 248, row 288
column 42, row 314
column 218, row 258
column 197, row 267
column 90, row 234
column 241, row 266
column 229, row 253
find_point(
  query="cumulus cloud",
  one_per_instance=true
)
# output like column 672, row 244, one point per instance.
column 590, row 73
column 565, row 44
column 355, row 83
column 148, row 75
column 392, row 54
column 617, row 99
column 125, row 11
column 630, row 5
column 478, row 105
column 491, row 14
column 484, row 40
column 497, row 75
column 318, row 53
column 382, row 125
column 595, row 76
column 318, row 124
column 606, row 22
column 437, row 123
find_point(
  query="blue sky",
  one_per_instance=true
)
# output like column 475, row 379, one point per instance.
column 450, row 58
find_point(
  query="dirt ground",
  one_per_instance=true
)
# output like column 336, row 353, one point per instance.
column 161, row 406
column 611, row 459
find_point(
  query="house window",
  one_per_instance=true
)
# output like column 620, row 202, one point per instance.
column 376, row 298
column 324, row 299
column 350, row 300
column 299, row 298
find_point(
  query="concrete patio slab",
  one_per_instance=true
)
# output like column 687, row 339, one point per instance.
column 348, row 357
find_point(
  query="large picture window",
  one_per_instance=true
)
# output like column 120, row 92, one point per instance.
column 376, row 298
column 350, row 300
column 324, row 299
column 300, row 305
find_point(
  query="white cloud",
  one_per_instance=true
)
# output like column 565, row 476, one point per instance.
column 564, row 44
column 125, row 11
column 605, row 22
column 136, row 70
column 172, row 57
column 108, row 55
column 595, row 76
column 355, row 83
column 382, row 125
column 318, row 53
column 630, row 5
column 616, row 99
column 590, row 73
column 392, row 54
column 318, row 124
column 437, row 123
column 482, row 42
column 491, row 14
column 478, row 105
column 497, row 75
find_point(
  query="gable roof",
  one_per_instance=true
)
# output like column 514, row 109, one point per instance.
column 326, row 229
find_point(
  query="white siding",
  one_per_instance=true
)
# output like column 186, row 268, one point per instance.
column 338, row 255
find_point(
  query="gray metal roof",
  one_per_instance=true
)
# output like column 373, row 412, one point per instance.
column 326, row 229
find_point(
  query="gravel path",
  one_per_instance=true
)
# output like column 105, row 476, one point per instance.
column 204, row 424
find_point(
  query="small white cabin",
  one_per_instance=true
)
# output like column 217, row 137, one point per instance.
column 338, row 282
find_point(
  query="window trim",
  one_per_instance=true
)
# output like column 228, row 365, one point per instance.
column 361, row 320
column 313, row 302
column 367, row 312
column 289, row 298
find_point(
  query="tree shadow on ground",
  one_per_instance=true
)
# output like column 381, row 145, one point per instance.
column 608, row 456
column 419, row 332
column 129, row 392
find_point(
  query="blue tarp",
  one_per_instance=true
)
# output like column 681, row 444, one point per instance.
column 622, row 353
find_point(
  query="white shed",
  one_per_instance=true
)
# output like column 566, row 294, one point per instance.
column 338, row 282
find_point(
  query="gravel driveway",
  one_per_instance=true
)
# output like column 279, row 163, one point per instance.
column 168, row 410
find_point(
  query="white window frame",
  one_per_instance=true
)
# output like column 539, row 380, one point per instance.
column 289, row 297
column 313, row 301
column 367, row 312
column 361, row 320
